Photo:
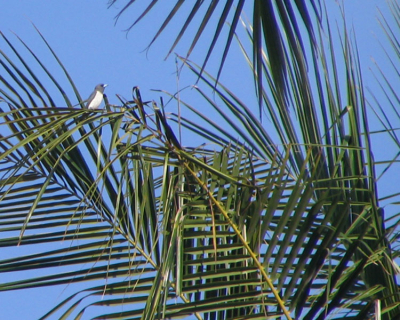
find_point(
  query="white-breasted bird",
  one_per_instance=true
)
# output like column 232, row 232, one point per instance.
column 96, row 97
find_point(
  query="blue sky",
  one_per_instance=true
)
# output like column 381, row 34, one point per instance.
column 83, row 35
column 94, row 50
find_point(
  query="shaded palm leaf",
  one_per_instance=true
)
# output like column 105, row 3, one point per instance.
column 276, row 25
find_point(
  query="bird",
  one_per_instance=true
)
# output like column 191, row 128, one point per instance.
column 96, row 97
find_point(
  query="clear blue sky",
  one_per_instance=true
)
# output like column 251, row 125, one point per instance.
column 93, row 50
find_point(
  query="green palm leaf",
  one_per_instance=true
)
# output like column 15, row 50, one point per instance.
column 275, row 25
column 283, row 221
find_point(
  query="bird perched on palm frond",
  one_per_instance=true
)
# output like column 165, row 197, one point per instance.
column 96, row 97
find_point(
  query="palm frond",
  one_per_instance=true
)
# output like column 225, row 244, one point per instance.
column 276, row 27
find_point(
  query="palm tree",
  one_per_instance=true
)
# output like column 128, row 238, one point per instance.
column 278, row 219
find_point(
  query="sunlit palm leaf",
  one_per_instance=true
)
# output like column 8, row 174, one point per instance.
column 107, row 204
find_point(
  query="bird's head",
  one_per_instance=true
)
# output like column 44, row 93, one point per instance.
column 100, row 87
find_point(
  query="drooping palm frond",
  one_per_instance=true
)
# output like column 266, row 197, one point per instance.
column 276, row 27
column 132, row 204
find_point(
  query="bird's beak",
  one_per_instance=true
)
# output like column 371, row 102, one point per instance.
column 105, row 85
